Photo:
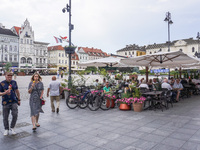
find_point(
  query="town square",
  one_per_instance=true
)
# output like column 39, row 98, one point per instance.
column 99, row 75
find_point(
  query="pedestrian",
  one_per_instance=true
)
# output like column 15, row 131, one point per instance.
column 58, row 73
column 10, row 99
column 36, row 89
column 2, row 72
column 55, row 90
column 15, row 74
column 61, row 74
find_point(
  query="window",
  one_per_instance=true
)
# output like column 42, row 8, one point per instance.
column 59, row 61
column 6, row 57
column 29, row 61
column 45, row 53
column 24, row 41
column 15, row 49
column 6, row 48
column 65, row 61
column 132, row 53
column 168, row 50
column 40, row 60
column 36, row 60
column 62, row 55
column 129, row 53
column 31, row 42
column 27, row 41
column 125, row 53
column 150, row 53
column 193, row 49
column 36, row 52
column 23, row 60
column 10, row 58
column 40, row 52
column 15, row 57
column 59, row 54
column 10, row 48
column 21, row 41
column 62, row 61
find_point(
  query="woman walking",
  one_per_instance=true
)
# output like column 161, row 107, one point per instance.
column 36, row 89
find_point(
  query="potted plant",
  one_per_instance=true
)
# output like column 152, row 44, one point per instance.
column 21, row 73
column 113, row 99
column 137, row 100
column 118, row 77
column 70, row 49
column 133, row 75
column 125, row 101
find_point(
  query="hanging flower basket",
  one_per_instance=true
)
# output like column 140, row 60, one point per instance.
column 69, row 49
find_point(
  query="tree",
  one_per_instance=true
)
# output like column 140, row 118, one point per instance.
column 7, row 66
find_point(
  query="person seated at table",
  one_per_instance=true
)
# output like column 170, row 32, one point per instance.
column 184, row 81
column 193, row 87
column 96, row 83
column 150, row 84
column 144, row 85
column 166, row 85
column 177, row 87
column 172, row 81
column 107, row 89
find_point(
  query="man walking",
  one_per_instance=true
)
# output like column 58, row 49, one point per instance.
column 10, row 101
column 55, row 91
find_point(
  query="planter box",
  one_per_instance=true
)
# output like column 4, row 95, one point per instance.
column 137, row 107
column 21, row 74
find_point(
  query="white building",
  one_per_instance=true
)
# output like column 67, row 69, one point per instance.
column 58, row 59
column 188, row 46
column 32, row 54
column 132, row 51
column 9, row 47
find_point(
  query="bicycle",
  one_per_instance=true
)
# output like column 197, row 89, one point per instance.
column 103, row 100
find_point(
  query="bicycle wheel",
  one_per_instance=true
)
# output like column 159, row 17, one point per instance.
column 105, row 103
column 94, row 103
column 72, row 101
column 84, row 103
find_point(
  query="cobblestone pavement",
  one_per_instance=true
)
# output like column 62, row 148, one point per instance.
column 177, row 128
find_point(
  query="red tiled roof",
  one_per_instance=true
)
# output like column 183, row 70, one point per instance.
column 17, row 29
column 93, row 51
column 76, row 56
column 57, row 47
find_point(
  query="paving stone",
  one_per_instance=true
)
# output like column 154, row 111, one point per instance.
column 114, row 145
column 153, row 138
column 173, row 142
column 53, row 147
column 68, row 143
column 164, row 147
column 191, row 146
column 126, row 139
column 180, row 136
column 144, row 145
column 146, row 129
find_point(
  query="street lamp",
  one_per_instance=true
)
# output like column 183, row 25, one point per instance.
column 71, row 27
column 169, row 21
column 198, row 37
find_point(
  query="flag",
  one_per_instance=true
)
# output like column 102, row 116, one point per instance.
column 58, row 40
column 63, row 38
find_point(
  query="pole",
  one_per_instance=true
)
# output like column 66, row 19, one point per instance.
column 147, row 74
column 69, row 78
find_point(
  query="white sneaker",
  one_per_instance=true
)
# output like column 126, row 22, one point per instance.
column 13, row 131
column 5, row 132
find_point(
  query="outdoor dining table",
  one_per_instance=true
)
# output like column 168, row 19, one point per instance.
column 152, row 94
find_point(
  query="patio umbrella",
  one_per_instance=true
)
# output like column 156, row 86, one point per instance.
column 161, row 59
column 102, row 62
column 166, row 59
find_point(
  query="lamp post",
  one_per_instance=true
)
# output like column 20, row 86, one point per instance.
column 169, row 21
column 71, row 27
column 198, row 37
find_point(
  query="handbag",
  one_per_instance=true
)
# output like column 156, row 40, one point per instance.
column 41, row 100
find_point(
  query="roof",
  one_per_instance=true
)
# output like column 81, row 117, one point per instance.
column 163, row 45
column 74, row 56
column 93, row 51
column 17, row 29
column 36, row 42
column 57, row 47
column 7, row 32
column 132, row 48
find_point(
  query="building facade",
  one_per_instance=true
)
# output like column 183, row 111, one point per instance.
column 32, row 54
column 60, row 60
column 188, row 46
column 132, row 51
column 9, row 47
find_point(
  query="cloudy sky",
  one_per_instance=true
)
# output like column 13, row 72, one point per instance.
column 105, row 24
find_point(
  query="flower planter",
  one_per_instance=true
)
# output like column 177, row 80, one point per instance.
column 21, row 74
column 131, row 76
column 137, row 107
column 124, row 107
column 112, row 103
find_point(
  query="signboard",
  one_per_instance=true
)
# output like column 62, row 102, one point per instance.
column 159, row 71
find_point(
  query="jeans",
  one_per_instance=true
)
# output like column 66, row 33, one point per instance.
column 6, row 111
